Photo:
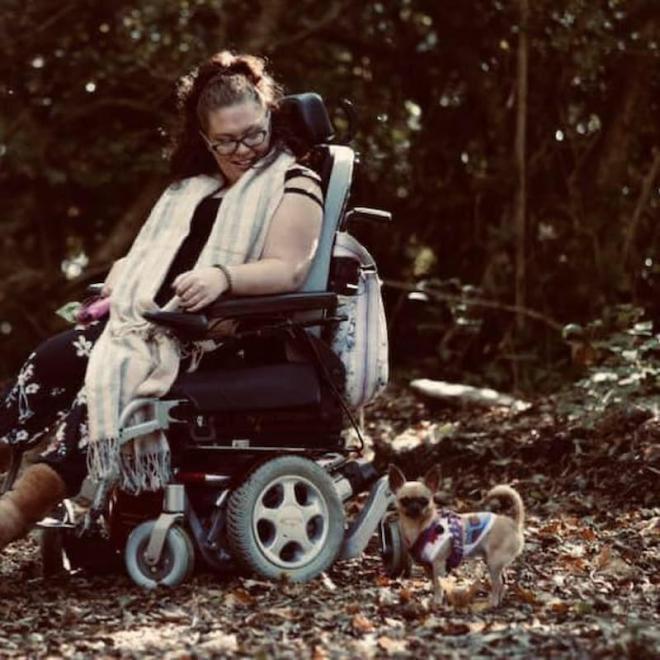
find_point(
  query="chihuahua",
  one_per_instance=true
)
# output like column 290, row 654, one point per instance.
column 439, row 540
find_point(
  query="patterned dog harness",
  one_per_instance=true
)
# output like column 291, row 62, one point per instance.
column 447, row 532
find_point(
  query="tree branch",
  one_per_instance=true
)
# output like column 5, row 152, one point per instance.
column 477, row 302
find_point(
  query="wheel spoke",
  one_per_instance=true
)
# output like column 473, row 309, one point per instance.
column 276, row 546
column 311, row 510
column 262, row 512
column 289, row 493
column 299, row 536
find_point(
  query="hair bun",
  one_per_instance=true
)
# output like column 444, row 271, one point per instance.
column 228, row 64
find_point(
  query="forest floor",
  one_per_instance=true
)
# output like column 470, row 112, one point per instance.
column 586, row 585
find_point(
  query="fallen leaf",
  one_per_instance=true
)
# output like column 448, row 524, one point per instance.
column 319, row 653
column 405, row 595
column 456, row 628
column 361, row 624
column 603, row 558
column 243, row 597
column 328, row 583
column 559, row 606
column 391, row 646
column 588, row 534
column 525, row 595
column 220, row 642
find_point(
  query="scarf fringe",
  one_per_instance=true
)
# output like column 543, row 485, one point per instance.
column 135, row 471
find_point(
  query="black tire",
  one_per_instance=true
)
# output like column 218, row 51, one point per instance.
column 176, row 563
column 394, row 554
column 286, row 519
column 51, row 549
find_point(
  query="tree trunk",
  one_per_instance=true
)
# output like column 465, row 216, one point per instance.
column 520, row 207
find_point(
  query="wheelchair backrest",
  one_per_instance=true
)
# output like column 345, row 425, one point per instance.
column 335, row 165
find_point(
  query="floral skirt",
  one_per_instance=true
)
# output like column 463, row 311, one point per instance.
column 48, row 395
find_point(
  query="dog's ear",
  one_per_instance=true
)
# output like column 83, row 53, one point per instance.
column 432, row 478
column 396, row 478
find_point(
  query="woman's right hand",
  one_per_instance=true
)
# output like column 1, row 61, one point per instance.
column 112, row 277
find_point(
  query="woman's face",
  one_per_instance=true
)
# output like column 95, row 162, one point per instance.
column 237, row 136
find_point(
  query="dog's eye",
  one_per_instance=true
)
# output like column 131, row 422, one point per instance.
column 422, row 501
column 406, row 501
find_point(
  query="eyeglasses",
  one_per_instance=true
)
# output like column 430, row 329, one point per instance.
column 229, row 146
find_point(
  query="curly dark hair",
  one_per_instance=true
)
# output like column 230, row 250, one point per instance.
column 224, row 79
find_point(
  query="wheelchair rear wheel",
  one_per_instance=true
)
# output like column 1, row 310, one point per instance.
column 176, row 561
column 286, row 519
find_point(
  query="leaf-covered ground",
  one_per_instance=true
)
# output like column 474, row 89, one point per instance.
column 585, row 586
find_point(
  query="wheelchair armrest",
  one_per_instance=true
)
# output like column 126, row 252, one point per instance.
column 195, row 326
column 190, row 326
column 286, row 303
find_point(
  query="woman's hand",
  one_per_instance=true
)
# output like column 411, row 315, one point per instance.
column 200, row 287
column 112, row 277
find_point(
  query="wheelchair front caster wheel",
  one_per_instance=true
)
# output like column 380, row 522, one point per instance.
column 286, row 519
column 176, row 562
column 51, row 549
column 393, row 550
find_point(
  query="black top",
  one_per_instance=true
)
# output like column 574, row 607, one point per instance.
column 191, row 247
column 202, row 222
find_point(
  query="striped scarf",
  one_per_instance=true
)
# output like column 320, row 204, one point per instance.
column 134, row 358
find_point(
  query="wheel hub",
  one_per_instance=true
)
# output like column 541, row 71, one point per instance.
column 290, row 521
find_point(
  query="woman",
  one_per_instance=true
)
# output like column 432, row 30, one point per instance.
column 241, row 216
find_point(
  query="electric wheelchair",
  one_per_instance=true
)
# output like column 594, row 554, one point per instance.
column 261, row 467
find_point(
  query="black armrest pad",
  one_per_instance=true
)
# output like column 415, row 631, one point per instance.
column 286, row 303
column 190, row 326
column 194, row 326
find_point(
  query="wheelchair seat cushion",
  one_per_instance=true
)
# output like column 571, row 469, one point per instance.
column 250, row 388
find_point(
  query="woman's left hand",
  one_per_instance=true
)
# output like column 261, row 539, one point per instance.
column 200, row 287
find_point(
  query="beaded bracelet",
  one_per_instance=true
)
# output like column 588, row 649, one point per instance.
column 227, row 274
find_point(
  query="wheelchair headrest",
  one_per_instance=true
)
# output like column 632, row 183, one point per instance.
column 307, row 116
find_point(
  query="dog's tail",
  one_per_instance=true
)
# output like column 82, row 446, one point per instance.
column 506, row 492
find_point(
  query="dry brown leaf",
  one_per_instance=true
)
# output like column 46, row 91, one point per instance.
column 525, row 595
column 559, row 606
column 383, row 581
column 652, row 527
column 477, row 626
column 319, row 653
column 391, row 646
column 573, row 564
column 550, row 528
column 588, row 534
column 244, row 597
column 361, row 624
column 286, row 613
column 456, row 628
column 405, row 595
column 603, row 558
column 461, row 597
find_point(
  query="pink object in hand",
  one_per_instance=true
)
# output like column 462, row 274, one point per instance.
column 93, row 310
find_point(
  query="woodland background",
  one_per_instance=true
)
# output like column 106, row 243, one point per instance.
column 515, row 143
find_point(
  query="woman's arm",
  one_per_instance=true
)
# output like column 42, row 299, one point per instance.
column 288, row 253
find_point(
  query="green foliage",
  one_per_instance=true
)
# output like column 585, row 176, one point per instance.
column 619, row 356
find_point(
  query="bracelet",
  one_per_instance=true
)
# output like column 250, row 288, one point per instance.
column 227, row 274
